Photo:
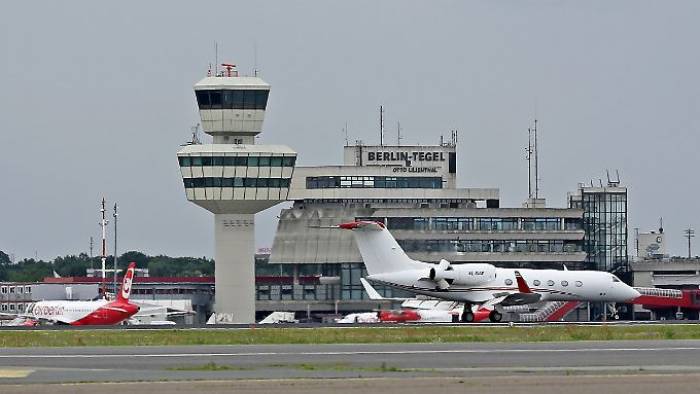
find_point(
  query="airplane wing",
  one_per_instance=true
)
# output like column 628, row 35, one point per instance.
column 32, row 317
column 114, row 308
column 524, row 295
column 374, row 294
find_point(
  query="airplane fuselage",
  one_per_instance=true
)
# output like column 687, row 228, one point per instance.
column 99, row 312
column 551, row 285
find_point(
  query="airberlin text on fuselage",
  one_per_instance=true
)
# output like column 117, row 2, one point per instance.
column 48, row 310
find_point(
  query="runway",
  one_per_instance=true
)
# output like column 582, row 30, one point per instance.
column 386, row 361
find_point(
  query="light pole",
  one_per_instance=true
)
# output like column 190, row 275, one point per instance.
column 689, row 233
column 115, row 249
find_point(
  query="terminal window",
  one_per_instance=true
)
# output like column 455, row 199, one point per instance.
column 381, row 182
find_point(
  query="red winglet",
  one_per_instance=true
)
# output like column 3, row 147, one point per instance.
column 522, row 285
column 360, row 223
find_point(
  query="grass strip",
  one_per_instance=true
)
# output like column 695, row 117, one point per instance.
column 417, row 334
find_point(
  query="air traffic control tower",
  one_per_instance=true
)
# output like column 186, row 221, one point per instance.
column 234, row 179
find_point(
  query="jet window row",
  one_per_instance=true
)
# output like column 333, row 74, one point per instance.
column 382, row 182
column 18, row 289
column 235, row 182
column 481, row 224
column 484, row 246
column 240, row 161
column 232, row 99
column 550, row 283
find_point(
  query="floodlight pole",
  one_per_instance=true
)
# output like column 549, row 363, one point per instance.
column 115, row 249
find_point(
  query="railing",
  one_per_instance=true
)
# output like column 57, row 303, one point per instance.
column 657, row 292
column 516, row 308
column 542, row 313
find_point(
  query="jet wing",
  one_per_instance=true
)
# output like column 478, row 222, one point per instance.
column 114, row 308
column 35, row 318
column 374, row 294
column 524, row 295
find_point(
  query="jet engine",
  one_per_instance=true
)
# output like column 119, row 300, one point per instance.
column 445, row 275
column 442, row 274
column 442, row 271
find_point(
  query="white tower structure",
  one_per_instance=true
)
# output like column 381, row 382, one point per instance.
column 233, row 178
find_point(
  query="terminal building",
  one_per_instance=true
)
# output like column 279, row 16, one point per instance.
column 413, row 190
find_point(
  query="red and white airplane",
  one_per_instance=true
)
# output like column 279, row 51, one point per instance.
column 82, row 313
column 481, row 287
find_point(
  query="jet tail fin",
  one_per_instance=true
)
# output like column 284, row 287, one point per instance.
column 522, row 285
column 380, row 251
column 125, row 291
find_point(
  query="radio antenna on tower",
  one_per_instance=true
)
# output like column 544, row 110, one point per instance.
column 381, row 125
column 398, row 133
column 345, row 132
column 537, row 172
column 216, row 59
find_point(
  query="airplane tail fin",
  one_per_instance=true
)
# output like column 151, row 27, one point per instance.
column 380, row 251
column 125, row 291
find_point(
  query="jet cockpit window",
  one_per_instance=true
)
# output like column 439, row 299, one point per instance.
column 614, row 279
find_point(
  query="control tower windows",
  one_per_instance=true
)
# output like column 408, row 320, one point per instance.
column 215, row 99
column 242, row 161
column 232, row 99
column 235, row 182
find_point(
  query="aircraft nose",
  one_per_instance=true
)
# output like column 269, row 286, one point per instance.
column 631, row 293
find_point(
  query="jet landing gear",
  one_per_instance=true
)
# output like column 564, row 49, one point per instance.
column 495, row 316
column 467, row 314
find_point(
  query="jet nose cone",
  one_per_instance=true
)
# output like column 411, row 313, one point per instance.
column 632, row 294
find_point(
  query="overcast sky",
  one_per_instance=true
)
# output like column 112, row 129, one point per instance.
column 97, row 96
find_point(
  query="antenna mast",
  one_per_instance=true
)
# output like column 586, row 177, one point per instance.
column 689, row 233
column 255, row 58
column 345, row 131
column 537, row 174
column 114, row 282
column 398, row 133
column 216, row 59
column 103, row 224
column 528, row 156
column 381, row 125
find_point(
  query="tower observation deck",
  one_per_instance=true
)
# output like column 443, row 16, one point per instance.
column 233, row 178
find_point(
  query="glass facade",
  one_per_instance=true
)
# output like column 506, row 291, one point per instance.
column 232, row 99
column 605, row 225
column 480, row 224
column 235, row 182
column 484, row 246
column 242, row 161
column 382, row 182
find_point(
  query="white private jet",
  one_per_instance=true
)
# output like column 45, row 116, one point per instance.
column 479, row 286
